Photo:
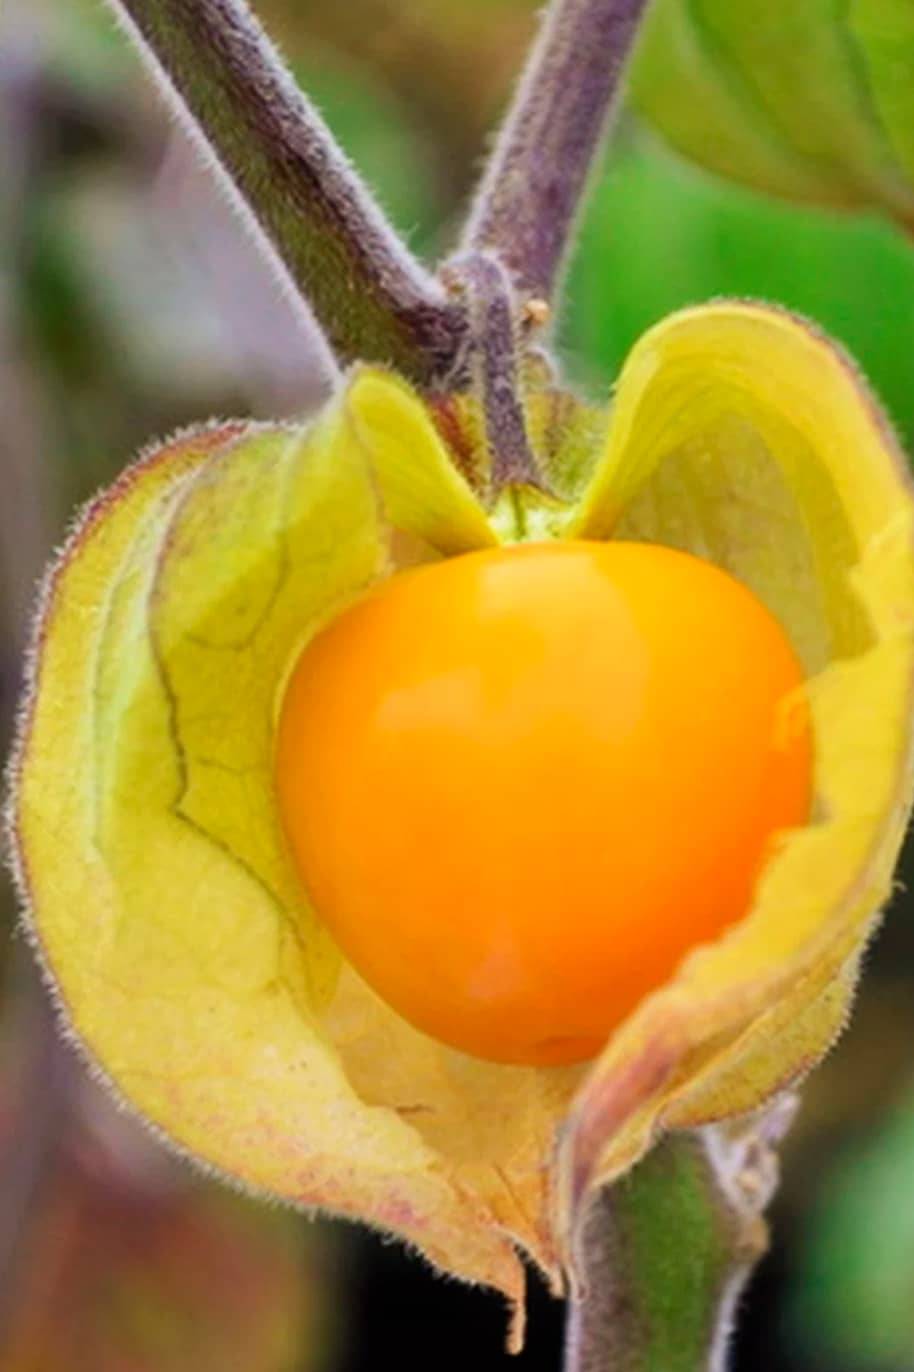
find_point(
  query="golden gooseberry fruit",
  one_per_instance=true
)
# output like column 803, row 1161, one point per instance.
column 520, row 784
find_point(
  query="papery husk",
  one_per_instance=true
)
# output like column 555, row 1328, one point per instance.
column 179, row 943
column 183, row 951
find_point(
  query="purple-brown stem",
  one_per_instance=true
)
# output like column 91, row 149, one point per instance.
column 331, row 244
column 492, row 364
column 536, row 180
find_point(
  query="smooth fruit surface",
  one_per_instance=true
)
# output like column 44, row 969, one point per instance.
column 521, row 784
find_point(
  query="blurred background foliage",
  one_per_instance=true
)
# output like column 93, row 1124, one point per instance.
column 131, row 303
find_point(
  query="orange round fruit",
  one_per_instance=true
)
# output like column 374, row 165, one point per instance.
column 521, row 784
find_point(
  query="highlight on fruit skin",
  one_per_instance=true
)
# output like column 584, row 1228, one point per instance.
column 159, row 886
column 522, row 783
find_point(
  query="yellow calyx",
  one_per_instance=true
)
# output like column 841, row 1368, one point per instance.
column 159, row 884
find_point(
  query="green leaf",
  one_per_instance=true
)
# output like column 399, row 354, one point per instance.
column 884, row 30
column 807, row 101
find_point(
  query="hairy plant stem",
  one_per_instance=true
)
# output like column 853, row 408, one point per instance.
column 537, row 177
column 494, row 363
column 333, row 248
column 332, row 245
column 663, row 1256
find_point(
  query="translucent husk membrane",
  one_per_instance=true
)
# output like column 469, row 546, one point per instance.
column 159, row 892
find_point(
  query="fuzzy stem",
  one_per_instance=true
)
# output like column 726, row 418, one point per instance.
column 663, row 1256
column 493, row 362
column 535, row 182
column 332, row 245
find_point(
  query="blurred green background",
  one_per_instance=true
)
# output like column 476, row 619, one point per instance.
column 131, row 303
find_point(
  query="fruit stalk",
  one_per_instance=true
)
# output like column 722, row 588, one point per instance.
column 333, row 249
